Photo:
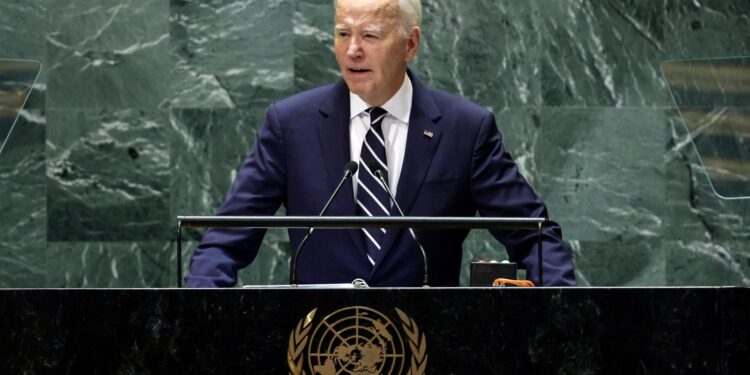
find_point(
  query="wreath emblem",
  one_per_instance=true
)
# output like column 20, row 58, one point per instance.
column 357, row 340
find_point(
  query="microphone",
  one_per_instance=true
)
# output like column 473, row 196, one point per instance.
column 349, row 170
column 378, row 172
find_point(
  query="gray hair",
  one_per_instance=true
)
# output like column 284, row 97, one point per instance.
column 410, row 15
column 410, row 12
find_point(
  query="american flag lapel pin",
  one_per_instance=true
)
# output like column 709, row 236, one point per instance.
column 428, row 133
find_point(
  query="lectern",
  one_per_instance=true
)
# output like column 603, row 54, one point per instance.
column 376, row 331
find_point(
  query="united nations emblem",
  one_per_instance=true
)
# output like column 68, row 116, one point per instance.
column 357, row 340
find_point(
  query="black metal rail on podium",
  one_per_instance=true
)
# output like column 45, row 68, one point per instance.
column 415, row 222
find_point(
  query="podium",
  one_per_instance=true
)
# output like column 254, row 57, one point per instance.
column 445, row 330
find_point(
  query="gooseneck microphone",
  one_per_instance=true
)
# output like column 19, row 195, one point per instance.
column 349, row 170
column 378, row 172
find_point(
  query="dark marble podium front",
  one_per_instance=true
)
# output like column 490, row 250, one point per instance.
column 467, row 331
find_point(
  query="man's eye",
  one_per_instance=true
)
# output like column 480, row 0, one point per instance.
column 371, row 36
column 343, row 34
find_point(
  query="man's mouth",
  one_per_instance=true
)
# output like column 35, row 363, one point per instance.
column 359, row 70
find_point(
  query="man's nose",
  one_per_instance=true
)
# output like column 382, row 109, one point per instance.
column 355, row 48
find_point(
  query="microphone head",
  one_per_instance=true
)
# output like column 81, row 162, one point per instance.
column 375, row 168
column 351, row 168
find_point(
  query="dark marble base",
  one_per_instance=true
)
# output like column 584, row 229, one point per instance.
column 468, row 331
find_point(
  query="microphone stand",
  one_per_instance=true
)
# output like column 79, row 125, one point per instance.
column 377, row 171
column 349, row 171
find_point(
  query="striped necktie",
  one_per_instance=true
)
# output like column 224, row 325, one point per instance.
column 372, row 198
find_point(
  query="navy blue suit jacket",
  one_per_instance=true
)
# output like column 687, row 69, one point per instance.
column 299, row 158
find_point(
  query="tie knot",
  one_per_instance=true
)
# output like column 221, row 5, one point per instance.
column 376, row 114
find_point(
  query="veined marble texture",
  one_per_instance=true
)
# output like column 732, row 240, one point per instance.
column 208, row 147
column 145, row 109
column 23, row 264
column 23, row 204
column 24, row 29
column 707, row 28
column 314, row 62
column 589, row 162
column 23, row 187
column 227, row 50
column 603, row 53
column 108, row 54
column 486, row 51
column 110, row 264
column 108, row 175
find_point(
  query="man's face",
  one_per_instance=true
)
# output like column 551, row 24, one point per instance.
column 371, row 53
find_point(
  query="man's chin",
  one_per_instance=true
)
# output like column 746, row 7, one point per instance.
column 357, row 88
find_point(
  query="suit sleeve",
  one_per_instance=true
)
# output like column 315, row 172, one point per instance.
column 259, row 189
column 500, row 191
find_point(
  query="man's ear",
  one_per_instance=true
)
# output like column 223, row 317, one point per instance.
column 412, row 43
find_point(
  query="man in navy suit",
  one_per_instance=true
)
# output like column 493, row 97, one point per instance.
column 444, row 157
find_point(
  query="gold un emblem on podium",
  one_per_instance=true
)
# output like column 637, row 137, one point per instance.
column 357, row 340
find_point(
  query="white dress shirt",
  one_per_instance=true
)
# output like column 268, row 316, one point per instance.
column 395, row 128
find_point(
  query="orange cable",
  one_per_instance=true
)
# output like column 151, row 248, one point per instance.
column 508, row 282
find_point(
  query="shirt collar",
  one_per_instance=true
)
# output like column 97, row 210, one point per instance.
column 398, row 106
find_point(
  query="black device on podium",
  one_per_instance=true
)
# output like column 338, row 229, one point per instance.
column 484, row 273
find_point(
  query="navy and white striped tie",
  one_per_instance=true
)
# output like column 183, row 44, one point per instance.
column 372, row 198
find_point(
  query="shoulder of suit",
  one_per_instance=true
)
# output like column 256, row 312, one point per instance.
column 304, row 102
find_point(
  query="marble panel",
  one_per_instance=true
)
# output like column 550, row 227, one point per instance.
column 520, row 128
column 599, row 53
column 692, row 263
column 208, row 148
column 108, row 54
column 314, row 61
column 613, row 263
column 108, row 175
column 108, row 264
column 226, row 50
column 706, row 28
column 23, row 29
column 486, row 51
column 194, row 90
column 23, row 263
column 602, row 172
column 23, row 182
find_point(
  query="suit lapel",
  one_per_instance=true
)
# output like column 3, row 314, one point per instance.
column 422, row 140
column 334, row 142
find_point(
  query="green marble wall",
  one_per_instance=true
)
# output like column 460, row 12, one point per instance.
column 145, row 108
